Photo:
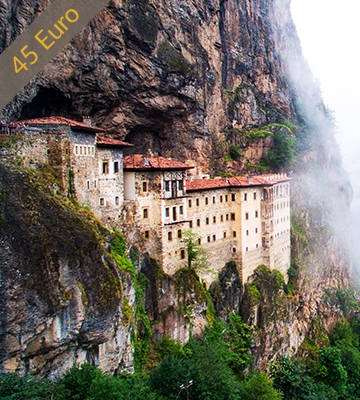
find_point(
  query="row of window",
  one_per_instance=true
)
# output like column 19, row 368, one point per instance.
column 281, row 205
column 222, row 199
column 209, row 237
column 173, row 185
column 116, row 201
column 247, row 231
column 174, row 211
column 256, row 214
column 282, row 190
column 282, row 233
column 84, row 150
column 106, row 167
column 256, row 247
column 246, row 196
column 283, row 219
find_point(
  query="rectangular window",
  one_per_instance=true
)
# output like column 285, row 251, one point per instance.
column 207, row 220
column 181, row 210
column 84, row 150
column 180, row 185
column 214, row 238
column 234, row 233
column 221, row 199
column 167, row 212
column 76, row 149
column 208, row 239
column 214, row 220
column 95, row 184
column 144, row 187
column 189, row 203
column 247, row 232
column 81, row 150
column 245, row 196
column 179, row 234
column 167, row 186
column 256, row 230
column 246, row 215
column 169, row 236
column 227, row 217
column 256, row 214
column 182, row 254
column 247, row 249
column 224, row 235
column 213, row 199
column 226, row 198
column 232, row 216
column 232, row 196
column 221, row 218
column 174, row 214
column 197, row 222
column 206, row 201
column 145, row 213
column 105, row 167
column 257, row 245
column 116, row 167
column 147, row 234
column 197, row 202
column 87, row 184
column 102, row 201
column 254, row 195
column 199, row 241
column 190, row 224
column 117, row 200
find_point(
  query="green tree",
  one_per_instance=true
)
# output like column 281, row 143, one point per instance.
column 76, row 383
column 167, row 377
column 283, row 155
column 14, row 387
column 330, row 369
column 123, row 387
column 233, row 340
column 294, row 382
column 197, row 257
column 212, row 377
column 259, row 387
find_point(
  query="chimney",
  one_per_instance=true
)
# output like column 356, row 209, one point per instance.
column 250, row 180
column 87, row 120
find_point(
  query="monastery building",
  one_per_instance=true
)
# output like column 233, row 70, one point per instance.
column 154, row 200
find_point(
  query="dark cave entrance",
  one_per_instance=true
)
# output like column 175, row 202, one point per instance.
column 46, row 103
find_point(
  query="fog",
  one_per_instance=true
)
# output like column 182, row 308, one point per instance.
column 329, row 32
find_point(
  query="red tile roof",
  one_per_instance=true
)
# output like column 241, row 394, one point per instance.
column 61, row 121
column 110, row 142
column 143, row 163
column 237, row 181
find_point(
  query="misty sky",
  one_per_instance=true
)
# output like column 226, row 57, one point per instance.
column 329, row 32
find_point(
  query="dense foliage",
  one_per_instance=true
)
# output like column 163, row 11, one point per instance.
column 330, row 372
column 215, row 364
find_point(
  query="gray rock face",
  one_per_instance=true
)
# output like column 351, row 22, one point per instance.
column 61, row 298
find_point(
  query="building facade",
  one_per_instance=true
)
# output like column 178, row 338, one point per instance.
column 89, row 165
column 241, row 219
column 154, row 200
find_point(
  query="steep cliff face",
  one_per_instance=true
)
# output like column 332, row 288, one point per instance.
column 190, row 79
column 61, row 296
column 157, row 73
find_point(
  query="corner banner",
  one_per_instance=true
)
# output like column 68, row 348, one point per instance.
column 41, row 42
